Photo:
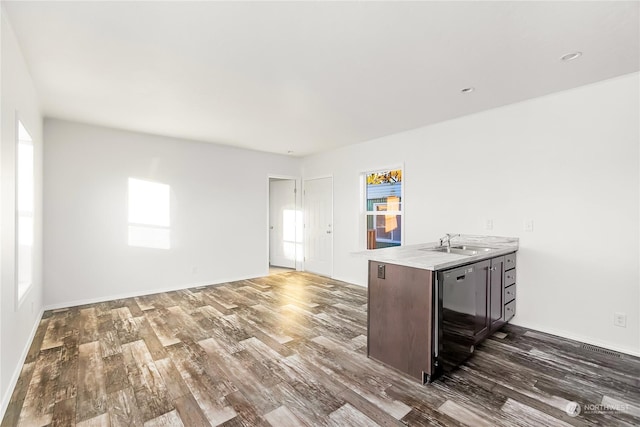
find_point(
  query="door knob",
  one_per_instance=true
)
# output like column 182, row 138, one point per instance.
column 328, row 231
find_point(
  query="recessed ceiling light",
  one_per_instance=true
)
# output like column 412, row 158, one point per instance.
column 571, row 56
column 467, row 90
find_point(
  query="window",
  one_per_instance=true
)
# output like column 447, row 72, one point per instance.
column 149, row 208
column 25, row 207
column 384, row 208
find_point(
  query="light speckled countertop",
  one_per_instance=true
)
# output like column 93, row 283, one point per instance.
column 416, row 256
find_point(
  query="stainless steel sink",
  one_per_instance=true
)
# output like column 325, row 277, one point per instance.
column 473, row 248
column 459, row 249
column 451, row 250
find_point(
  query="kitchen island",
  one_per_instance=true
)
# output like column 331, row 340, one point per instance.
column 431, row 304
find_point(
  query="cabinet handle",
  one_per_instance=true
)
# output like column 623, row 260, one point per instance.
column 492, row 268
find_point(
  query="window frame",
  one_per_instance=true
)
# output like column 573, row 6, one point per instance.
column 385, row 213
column 150, row 226
column 22, row 288
column 374, row 213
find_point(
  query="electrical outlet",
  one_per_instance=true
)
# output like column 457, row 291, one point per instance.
column 620, row 319
column 528, row 225
column 488, row 224
column 194, row 270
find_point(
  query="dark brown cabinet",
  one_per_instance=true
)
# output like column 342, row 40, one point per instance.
column 496, row 293
column 482, row 300
column 420, row 328
column 509, row 287
column 490, row 280
column 400, row 318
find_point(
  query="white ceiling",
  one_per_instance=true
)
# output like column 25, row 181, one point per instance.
column 310, row 76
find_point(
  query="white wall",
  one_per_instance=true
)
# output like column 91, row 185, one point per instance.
column 569, row 161
column 219, row 201
column 17, row 323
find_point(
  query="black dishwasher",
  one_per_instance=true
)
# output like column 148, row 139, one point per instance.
column 462, row 312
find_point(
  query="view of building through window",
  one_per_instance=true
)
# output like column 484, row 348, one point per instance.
column 384, row 208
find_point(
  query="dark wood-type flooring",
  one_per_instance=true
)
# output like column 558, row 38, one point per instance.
column 289, row 350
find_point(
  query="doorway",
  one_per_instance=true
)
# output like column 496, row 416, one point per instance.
column 318, row 219
column 284, row 236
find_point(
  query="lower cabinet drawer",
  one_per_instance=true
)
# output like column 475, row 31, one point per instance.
column 509, row 311
column 509, row 294
column 510, row 261
column 510, row 277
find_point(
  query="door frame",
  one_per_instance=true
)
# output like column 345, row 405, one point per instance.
column 333, row 225
column 298, row 204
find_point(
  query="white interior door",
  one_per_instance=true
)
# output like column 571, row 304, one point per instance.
column 318, row 221
column 282, row 223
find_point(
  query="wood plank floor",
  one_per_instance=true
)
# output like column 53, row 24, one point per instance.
column 290, row 350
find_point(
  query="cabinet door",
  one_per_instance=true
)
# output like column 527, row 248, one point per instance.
column 400, row 317
column 482, row 299
column 496, row 293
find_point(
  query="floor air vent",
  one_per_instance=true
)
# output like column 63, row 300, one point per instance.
column 601, row 350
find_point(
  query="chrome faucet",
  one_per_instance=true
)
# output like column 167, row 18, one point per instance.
column 447, row 238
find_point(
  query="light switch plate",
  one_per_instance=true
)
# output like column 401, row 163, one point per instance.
column 488, row 224
column 620, row 319
column 528, row 225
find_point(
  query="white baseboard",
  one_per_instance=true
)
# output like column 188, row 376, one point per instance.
column 579, row 338
column 18, row 369
column 145, row 292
